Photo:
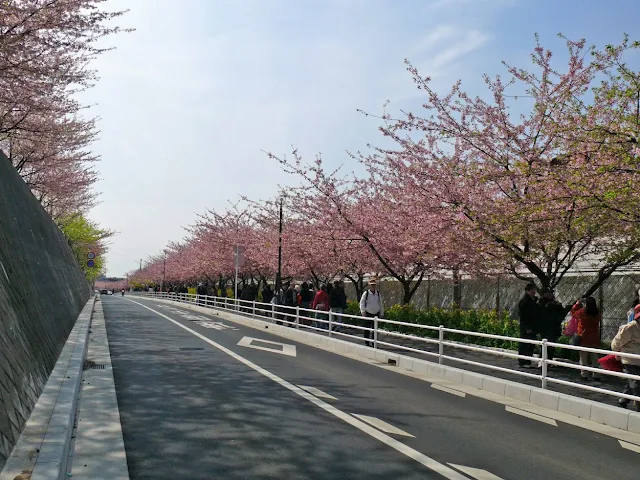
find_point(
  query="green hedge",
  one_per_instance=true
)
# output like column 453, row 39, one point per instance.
column 483, row 321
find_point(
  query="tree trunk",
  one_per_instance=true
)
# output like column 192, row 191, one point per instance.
column 407, row 290
column 457, row 290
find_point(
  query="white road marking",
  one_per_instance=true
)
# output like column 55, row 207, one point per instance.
column 382, row 425
column 199, row 319
column 533, row 416
column 476, row 473
column 630, row 446
column 452, row 391
column 317, row 392
column 421, row 458
column 289, row 350
column 213, row 325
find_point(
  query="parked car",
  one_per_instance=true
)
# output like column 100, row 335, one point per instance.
column 103, row 291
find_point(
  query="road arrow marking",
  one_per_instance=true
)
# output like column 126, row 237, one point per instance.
column 317, row 392
column 282, row 348
column 382, row 425
column 476, row 473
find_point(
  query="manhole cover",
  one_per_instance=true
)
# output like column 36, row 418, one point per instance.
column 188, row 349
column 96, row 367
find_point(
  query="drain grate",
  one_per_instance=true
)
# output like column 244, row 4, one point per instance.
column 189, row 349
column 96, row 367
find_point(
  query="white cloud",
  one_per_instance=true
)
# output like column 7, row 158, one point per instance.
column 469, row 42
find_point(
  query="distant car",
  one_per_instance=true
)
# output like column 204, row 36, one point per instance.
column 103, row 291
column 109, row 292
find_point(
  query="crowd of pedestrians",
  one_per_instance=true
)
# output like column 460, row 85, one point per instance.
column 544, row 318
column 314, row 307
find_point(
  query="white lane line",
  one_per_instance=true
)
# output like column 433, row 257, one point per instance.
column 428, row 462
column 442, row 388
column 286, row 349
column 317, row 392
column 533, row 416
column 382, row 425
column 476, row 473
column 630, row 446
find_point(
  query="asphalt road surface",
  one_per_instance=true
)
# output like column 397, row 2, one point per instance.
column 203, row 398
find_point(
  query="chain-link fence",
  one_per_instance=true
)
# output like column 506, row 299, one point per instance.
column 615, row 296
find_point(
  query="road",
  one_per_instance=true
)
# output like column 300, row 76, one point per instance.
column 231, row 411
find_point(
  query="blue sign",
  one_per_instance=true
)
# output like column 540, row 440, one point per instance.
column 91, row 264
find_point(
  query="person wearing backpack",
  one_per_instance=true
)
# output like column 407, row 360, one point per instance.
column 371, row 306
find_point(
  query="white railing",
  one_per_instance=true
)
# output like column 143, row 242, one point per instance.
column 326, row 322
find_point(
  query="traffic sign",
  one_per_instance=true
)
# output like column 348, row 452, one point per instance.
column 91, row 264
column 91, row 255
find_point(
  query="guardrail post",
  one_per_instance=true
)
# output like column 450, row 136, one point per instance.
column 273, row 312
column 544, row 363
column 330, row 322
column 253, row 312
column 298, row 317
column 375, row 332
column 440, row 343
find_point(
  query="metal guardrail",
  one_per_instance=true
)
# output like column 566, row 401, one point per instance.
column 307, row 319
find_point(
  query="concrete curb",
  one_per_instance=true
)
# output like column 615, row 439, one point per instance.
column 597, row 412
column 98, row 450
column 43, row 447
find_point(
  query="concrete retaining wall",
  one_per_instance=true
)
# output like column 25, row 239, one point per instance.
column 42, row 291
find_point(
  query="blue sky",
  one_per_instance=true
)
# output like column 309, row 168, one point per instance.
column 189, row 101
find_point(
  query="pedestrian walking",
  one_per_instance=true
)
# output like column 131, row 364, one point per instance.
column 371, row 306
column 552, row 315
column 529, row 311
column 337, row 302
column 588, row 333
column 289, row 304
column 627, row 340
column 321, row 304
column 305, row 299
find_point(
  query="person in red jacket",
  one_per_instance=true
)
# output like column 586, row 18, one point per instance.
column 321, row 303
column 588, row 333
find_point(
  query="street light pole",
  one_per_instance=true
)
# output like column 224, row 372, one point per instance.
column 279, row 275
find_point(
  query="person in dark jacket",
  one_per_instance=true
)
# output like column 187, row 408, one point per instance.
column 529, row 311
column 267, row 294
column 551, row 317
column 289, row 303
column 305, row 297
column 337, row 301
